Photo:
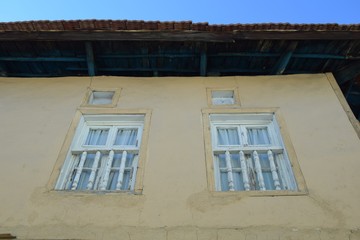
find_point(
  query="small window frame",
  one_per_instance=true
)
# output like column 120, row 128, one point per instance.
column 89, row 93
column 211, row 91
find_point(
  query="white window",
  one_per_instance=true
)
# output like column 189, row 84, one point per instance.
column 249, row 153
column 223, row 97
column 103, row 155
column 101, row 97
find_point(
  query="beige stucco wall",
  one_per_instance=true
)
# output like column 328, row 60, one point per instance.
column 175, row 203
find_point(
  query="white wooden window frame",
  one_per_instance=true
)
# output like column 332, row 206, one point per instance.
column 280, row 165
column 113, row 122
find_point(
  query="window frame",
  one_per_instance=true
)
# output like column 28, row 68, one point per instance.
column 210, row 147
column 90, row 91
column 236, row 98
column 68, row 147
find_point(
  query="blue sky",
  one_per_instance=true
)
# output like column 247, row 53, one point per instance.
column 212, row 11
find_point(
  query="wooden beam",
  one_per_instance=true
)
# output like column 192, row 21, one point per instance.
column 284, row 60
column 245, row 54
column 237, row 70
column 231, row 54
column 147, row 56
column 90, row 58
column 171, row 35
column 203, row 64
column 137, row 69
column 348, row 73
column 43, row 59
column 325, row 56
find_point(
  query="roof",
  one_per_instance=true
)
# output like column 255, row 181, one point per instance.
column 153, row 48
column 116, row 25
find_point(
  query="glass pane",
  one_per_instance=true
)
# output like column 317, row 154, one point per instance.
column 235, row 160
column 222, row 161
column 224, row 181
column 126, row 181
column 268, row 180
column 228, row 136
column 126, row 136
column 101, row 97
column 117, row 160
column 129, row 159
column 97, row 137
column 90, row 157
column 238, row 181
column 258, row 136
column 84, row 179
column 222, row 101
column 264, row 161
column 113, row 177
column 114, row 173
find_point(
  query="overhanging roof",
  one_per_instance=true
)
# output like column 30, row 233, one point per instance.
column 138, row 48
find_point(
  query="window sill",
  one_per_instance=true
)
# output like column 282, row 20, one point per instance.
column 268, row 193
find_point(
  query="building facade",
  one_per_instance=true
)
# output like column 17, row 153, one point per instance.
column 109, row 157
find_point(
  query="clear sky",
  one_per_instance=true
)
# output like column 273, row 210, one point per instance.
column 211, row 11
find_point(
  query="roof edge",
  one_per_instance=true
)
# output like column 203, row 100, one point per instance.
column 118, row 25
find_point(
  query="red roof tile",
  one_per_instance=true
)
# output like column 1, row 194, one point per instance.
column 116, row 25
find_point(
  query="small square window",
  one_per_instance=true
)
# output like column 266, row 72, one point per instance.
column 101, row 98
column 222, row 97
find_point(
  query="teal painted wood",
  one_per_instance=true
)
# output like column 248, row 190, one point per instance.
column 90, row 58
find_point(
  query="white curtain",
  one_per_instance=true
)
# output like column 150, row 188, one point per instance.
column 126, row 136
column 228, row 136
column 97, row 137
column 258, row 136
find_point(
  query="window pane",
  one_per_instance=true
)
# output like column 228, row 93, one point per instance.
column 264, row 161
column 258, row 136
column 266, row 171
column 117, row 160
column 90, row 157
column 224, row 181
column 238, row 181
column 228, row 136
column 97, row 137
column 235, row 160
column 113, row 177
column 126, row 136
column 126, row 181
column 129, row 160
column 84, row 179
column 115, row 172
column 222, row 161
column 222, row 101
column 268, row 180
